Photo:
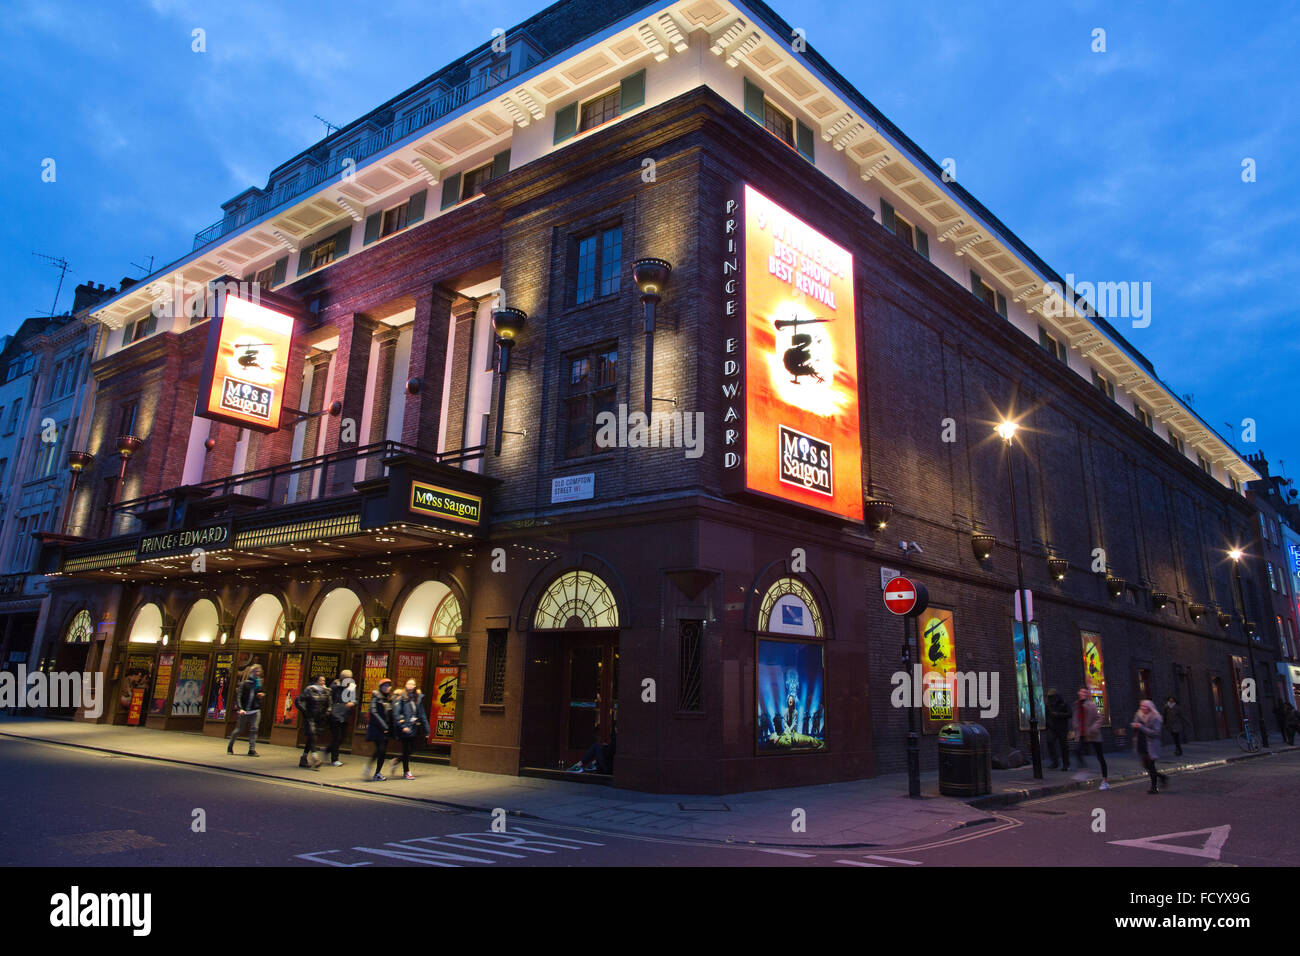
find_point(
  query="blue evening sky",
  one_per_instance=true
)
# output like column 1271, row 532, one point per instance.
column 1123, row 165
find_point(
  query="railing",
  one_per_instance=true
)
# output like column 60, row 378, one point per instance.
column 431, row 112
column 310, row 479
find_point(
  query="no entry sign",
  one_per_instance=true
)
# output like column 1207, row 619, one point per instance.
column 905, row 598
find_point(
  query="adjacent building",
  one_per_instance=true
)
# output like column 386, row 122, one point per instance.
column 599, row 382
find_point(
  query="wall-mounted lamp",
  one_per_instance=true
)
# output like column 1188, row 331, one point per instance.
column 981, row 545
column 225, row 636
column 166, row 639
column 1225, row 619
column 1057, row 567
column 78, row 461
column 1159, row 599
column 413, row 385
column 1195, row 611
column 1115, row 586
column 293, row 637
column 650, row 276
column 507, row 323
column 877, row 511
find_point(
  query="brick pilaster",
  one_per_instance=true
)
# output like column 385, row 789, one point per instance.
column 428, row 361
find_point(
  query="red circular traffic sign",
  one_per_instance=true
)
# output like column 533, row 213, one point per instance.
column 900, row 596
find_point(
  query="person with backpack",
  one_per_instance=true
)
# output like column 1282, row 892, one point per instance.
column 343, row 701
column 314, row 705
column 410, row 724
column 378, row 724
column 248, row 700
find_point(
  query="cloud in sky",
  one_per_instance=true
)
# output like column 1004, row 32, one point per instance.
column 1115, row 166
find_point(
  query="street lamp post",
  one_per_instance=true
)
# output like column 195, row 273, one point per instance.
column 1007, row 432
column 1236, row 556
column 650, row 275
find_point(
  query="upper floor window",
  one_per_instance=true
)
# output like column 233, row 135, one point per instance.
column 793, row 132
column 589, row 390
column 579, row 117
column 395, row 218
column 915, row 237
column 126, row 419
column 1143, row 416
column 14, row 414
column 1175, row 440
column 987, row 294
column 461, row 186
column 1205, row 464
column 324, row 251
column 273, row 275
column 1236, row 485
column 600, row 110
column 138, row 329
column 599, row 257
column 1052, row 345
column 1104, row 385
column 1272, row 576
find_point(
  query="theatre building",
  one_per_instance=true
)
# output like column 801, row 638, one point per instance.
column 390, row 413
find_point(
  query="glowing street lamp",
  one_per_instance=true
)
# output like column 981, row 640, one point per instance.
column 1236, row 554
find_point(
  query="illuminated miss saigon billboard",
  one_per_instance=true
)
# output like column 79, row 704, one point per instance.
column 245, row 365
column 802, row 438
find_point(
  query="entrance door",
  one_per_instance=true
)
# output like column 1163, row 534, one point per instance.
column 590, row 694
column 1220, row 718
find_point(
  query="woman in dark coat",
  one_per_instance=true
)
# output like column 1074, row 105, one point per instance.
column 379, row 724
column 410, row 724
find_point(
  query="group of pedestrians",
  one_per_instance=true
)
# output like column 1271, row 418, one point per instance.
column 1085, row 720
column 395, row 714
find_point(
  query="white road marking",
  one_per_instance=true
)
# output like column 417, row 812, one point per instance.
column 858, row 863
column 890, row 859
column 789, row 853
column 1210, row 849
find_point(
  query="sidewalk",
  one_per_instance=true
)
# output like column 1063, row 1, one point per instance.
column 861, row 813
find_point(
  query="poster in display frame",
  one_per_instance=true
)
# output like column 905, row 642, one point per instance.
column 219, row 693
column 1022, row 690
column 162, row 683
column 784, row 669
column 446, row 687
column 374, row 669
column 937, row 653
column 191, row 678
column 286, row 710
column 1094, row 674
column 136, row 679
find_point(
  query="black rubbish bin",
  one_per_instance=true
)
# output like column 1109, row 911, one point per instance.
column 965, row 761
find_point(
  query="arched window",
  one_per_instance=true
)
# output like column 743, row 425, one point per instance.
column 432, row 611
column 339, row 616
column 789, row 608
column 81, row 629
column 576, row 600
column 264, row 620
column 147, row 626
column 201, row 623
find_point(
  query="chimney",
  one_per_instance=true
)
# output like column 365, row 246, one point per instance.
column 126, row 283
column 87, row 294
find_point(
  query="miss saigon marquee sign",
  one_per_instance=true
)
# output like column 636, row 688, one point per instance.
column 245, row 364
column 445, row 503
column 801, row 436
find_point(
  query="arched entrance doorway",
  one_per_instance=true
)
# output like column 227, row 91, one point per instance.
column 577, row 618
column 73, row 651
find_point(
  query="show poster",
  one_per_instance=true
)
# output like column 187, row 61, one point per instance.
column 162, row 684
column 1094, row 674
column 446, row 680
column 409, row 665
column 1022, row 690
column 286, row 713
column 791, row 696
column 245, row 365
column 219, row 698
column 135, row 686
column 802, row 438
column 376, row 669
column 327, row 664
column 188, row 699
column 939, row 666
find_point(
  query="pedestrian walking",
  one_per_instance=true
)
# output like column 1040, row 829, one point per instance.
column 1147, row 726
column 1282, row 710
column 410, row 724
column 248, row 701
column 314, row 705
column 1292, row 723
column 1087, row 724
column 1174, row 722
column 379, row 726
column 1058, row 730
column 343, row 702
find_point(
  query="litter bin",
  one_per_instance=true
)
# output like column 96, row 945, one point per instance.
column 965, row 761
